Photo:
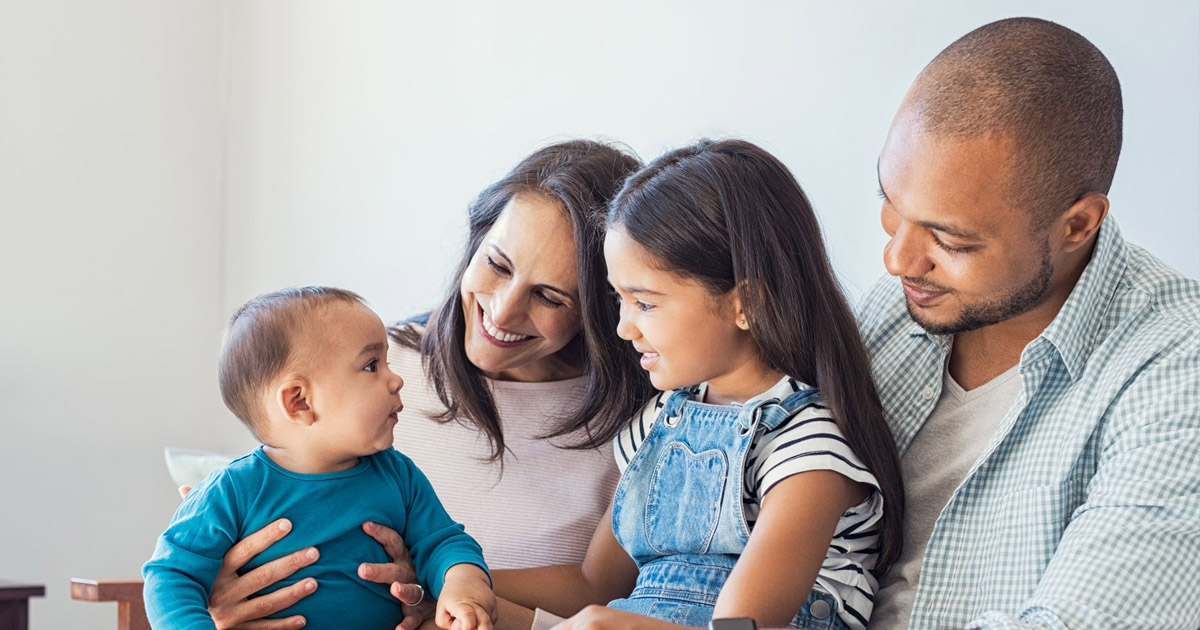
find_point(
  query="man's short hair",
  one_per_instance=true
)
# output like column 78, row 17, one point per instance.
column 1043, row 87
column 259, row 345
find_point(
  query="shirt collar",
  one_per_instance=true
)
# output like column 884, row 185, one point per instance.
column 1072, row 333
column 785, row 387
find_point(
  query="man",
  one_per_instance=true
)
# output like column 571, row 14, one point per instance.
column 1041, row 376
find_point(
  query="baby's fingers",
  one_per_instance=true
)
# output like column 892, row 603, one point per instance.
column 461, row 616
column 485, row 619
column 466, row 618
column 444, row 616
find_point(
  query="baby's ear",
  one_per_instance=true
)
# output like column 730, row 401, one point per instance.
column 293, row 399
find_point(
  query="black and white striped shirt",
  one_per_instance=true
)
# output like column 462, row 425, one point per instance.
column 809, row 440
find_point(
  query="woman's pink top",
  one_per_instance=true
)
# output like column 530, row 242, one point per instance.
column 543, row 508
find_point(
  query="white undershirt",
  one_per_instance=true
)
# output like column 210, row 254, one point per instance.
column 936, row 463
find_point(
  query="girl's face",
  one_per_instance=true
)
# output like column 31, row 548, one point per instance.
column 686, row 335
column 520, row 294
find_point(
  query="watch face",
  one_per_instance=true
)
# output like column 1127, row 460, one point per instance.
column 738, row 623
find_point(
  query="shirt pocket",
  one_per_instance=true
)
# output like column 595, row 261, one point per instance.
column 1025, row 534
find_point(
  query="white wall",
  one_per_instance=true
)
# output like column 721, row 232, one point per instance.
column 110, row 197
column 161, row 161
column 359, row 131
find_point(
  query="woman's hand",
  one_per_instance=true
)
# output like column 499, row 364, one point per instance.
column 230, row 605
column 400, row 575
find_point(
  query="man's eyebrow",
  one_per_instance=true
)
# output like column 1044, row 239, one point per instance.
column 952, row 231
column 373, row 348
column 548, row 287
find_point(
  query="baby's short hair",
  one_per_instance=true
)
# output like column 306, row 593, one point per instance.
column 259, row 344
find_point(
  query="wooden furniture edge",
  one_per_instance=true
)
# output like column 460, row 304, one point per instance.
column 131, row 611
column 89, row 590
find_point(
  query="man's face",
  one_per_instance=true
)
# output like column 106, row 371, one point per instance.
column 966, row 256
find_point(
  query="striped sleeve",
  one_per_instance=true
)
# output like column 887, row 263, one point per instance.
column 809, row 440
column 630, row 439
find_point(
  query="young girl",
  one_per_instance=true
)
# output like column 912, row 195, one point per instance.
column 763, row 482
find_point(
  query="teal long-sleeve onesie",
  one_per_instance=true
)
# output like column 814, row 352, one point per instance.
column 327, row 511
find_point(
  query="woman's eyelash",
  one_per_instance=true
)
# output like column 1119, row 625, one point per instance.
column 882, row 195
column 500, row 269
column 548, row 302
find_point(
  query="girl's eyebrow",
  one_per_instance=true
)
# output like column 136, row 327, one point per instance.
column 548, row 287
column 637, row 290
column 644, row 291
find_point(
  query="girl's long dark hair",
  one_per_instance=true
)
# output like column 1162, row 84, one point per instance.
column 581, row 176
column 728, row 214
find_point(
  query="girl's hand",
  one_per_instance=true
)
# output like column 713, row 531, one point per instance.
column 399, row 574
column 466, row 601
column 230, row 605
column 605, row 618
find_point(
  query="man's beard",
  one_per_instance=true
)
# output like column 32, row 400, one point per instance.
column 1021, row 300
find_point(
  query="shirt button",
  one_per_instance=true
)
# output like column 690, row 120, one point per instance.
column 819, row 609
column 927, row 394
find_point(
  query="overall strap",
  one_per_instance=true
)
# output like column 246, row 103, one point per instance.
column 772, row 412
column 674, row 404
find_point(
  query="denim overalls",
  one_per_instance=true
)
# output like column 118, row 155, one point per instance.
column 678, row 508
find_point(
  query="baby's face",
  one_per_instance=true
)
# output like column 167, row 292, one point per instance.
column 355, row 397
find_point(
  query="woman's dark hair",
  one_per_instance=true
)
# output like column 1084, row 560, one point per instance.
column 581, row 176
column 758, row 235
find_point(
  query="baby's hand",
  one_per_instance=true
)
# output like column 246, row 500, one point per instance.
column 466, row 601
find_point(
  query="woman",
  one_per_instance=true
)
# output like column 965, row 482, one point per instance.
column 514, row 384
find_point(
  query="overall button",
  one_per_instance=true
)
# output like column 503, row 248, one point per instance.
column 819, row 609
column 927, row 393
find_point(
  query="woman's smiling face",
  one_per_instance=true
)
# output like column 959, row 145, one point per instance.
column 520, row 294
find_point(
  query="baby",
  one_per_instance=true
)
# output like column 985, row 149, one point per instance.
column 306, row 370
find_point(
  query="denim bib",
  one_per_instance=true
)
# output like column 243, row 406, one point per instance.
column 678, row 508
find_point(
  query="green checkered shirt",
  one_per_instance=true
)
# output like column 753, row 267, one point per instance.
column 1084, row 509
